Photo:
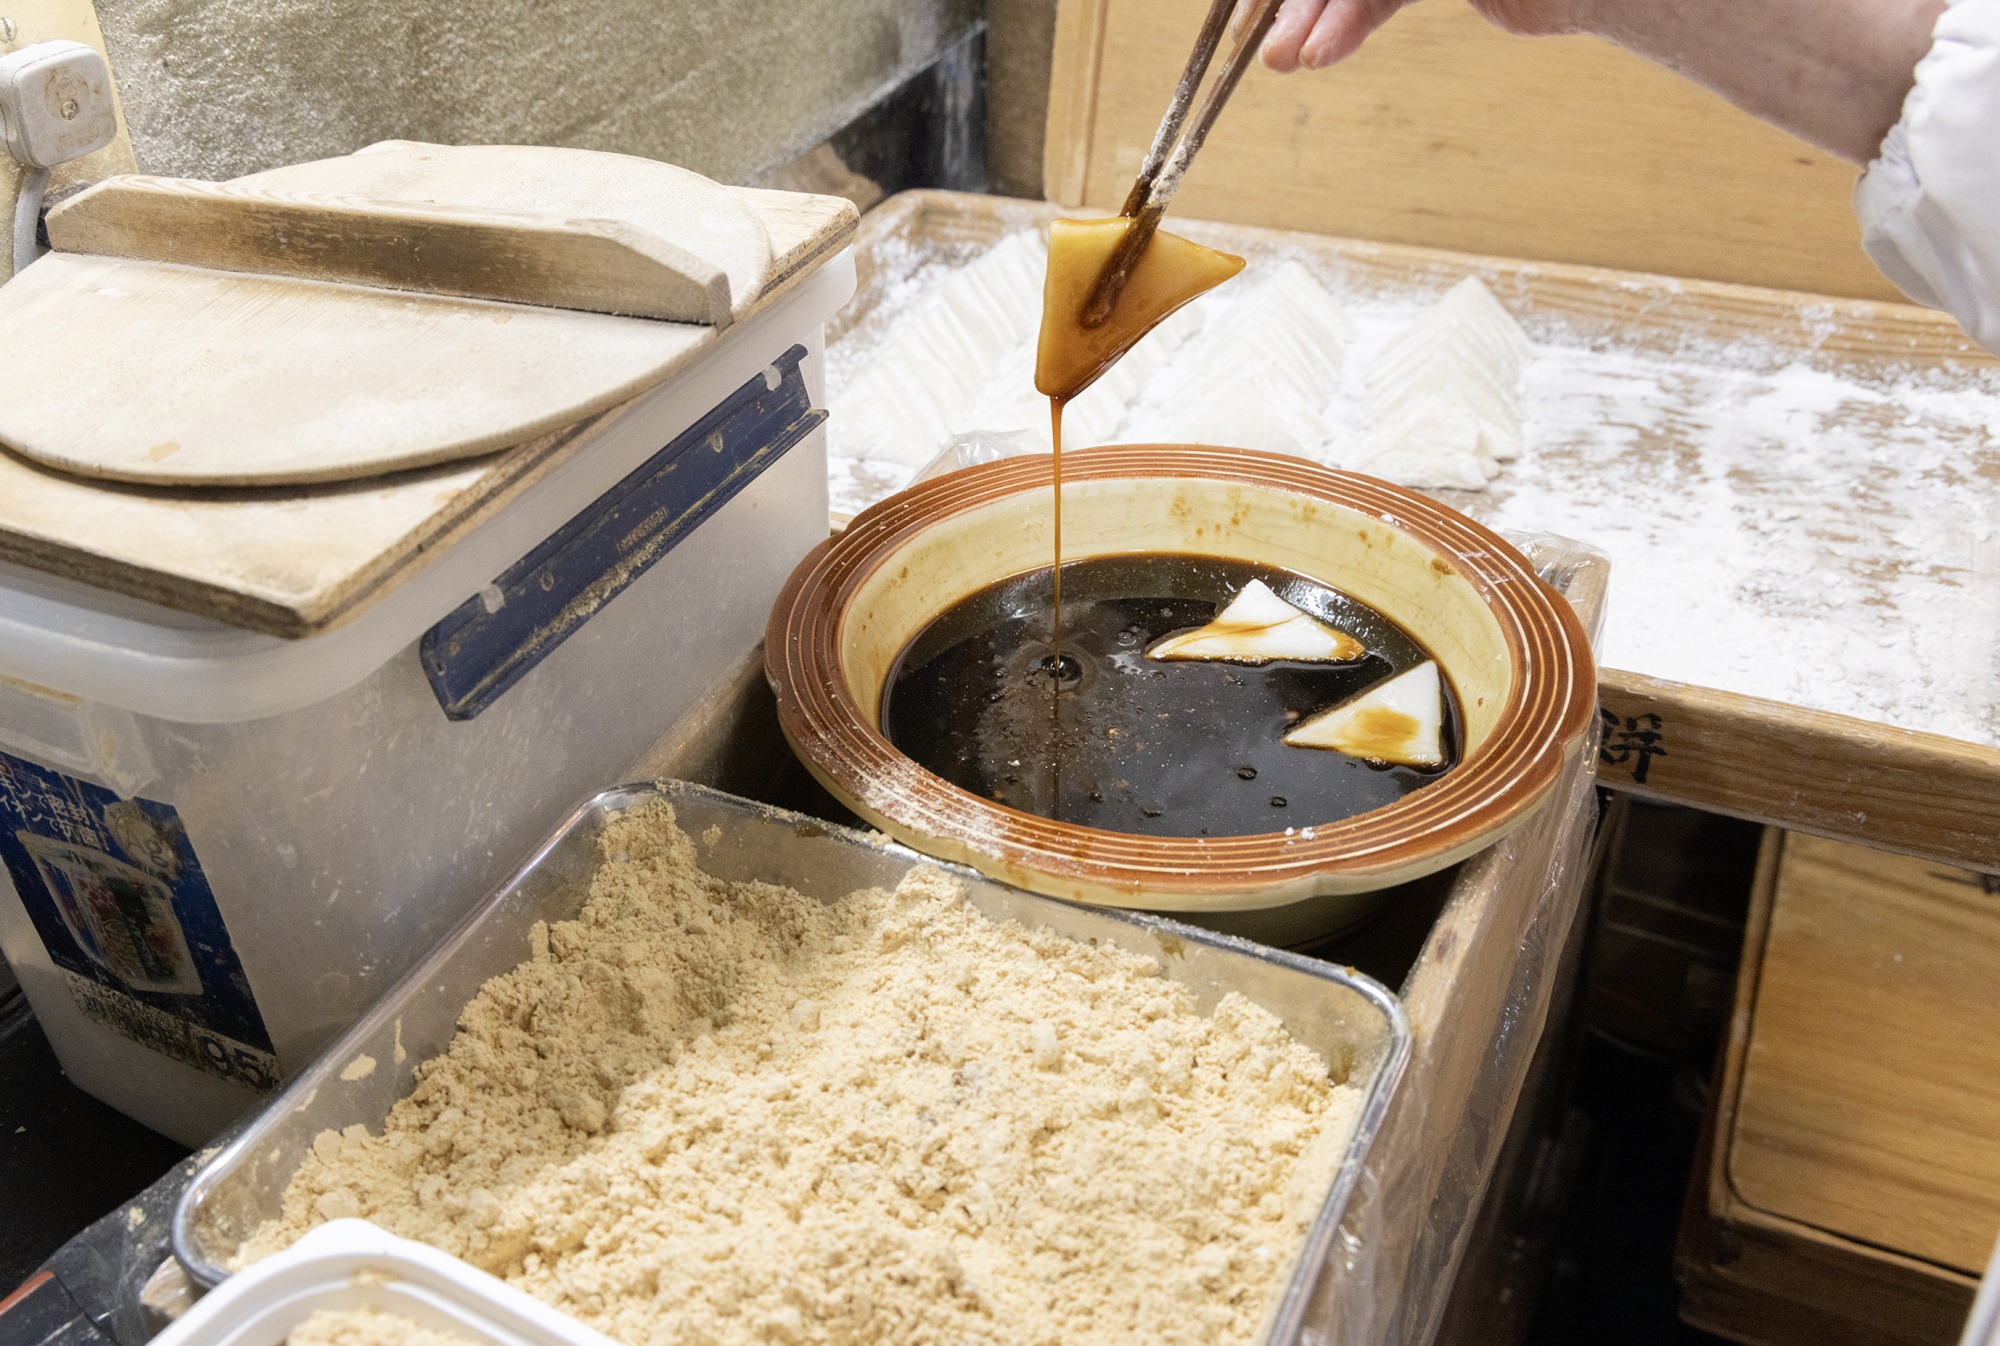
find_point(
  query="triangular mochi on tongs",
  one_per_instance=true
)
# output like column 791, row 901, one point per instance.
column 1399, row 721
column 1172, row 270
column 1257, row 627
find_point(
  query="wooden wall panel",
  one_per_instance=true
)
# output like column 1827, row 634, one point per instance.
column 1447, row 133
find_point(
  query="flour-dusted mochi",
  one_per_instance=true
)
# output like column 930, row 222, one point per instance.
column 1290, row 326
column 1467, row 322
column 1442, row 397
column 1399, row 721
column 917, row 390
column 1010, row 401
column 1256, row 627
column 1259, row 374
column 1250, row 413
column 1431, row 448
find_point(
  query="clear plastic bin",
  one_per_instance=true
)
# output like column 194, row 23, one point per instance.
column 221, row 846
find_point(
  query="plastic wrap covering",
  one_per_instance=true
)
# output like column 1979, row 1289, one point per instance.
column 976, row 447
column 1477, row 998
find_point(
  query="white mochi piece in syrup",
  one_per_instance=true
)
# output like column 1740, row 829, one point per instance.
column 1257, row 627
column 1399, row 721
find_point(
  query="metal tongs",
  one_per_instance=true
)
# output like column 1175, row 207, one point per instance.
column 1167, row 162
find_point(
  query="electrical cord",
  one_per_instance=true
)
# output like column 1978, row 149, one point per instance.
column 55, row 107
column 28, row 216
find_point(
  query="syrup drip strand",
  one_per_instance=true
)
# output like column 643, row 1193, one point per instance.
column 1056, row 650
column 1055, row 438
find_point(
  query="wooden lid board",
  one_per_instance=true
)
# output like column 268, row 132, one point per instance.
column 295, row 560
column 270, row 331
column 1871, row 1076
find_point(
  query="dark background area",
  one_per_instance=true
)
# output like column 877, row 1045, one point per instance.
column 65, row 1158
column 1666, row 915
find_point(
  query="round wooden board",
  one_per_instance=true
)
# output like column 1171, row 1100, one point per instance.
column 174, row 375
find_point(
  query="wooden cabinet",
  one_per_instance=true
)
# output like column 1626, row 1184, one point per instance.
column 1850, row 1189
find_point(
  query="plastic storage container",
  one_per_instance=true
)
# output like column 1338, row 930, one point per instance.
column 220, row 846
column 352, row 1264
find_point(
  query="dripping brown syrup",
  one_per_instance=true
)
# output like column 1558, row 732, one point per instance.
column 1072, row 354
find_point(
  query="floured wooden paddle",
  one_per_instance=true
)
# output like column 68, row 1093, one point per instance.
column 667, row 222
column 402, row 306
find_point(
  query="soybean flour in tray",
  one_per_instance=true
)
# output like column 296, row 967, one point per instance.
column 710, row 1110
column 1799, row 500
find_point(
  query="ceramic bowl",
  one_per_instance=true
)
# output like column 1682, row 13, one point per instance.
column 1511, row 645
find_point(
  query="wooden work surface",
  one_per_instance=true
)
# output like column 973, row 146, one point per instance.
column 291, row 561
column 1680, row 734
column 1849, row 1186
column 1444, row 131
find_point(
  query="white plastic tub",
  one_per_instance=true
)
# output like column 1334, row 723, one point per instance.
column 233, row 843
column 352, row 1264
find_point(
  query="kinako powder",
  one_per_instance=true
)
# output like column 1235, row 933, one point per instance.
column 723, row 1112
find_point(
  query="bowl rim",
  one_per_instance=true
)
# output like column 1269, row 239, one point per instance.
column 1492, row 789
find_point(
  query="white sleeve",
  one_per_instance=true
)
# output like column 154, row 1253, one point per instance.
column 1930, row 203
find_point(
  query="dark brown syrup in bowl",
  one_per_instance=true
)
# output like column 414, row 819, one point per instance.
column 1132, row 744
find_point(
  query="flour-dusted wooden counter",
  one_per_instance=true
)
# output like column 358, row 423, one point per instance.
column 1798, row 495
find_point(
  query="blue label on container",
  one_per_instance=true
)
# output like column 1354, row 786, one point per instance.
column 115, row 890
column 496, row 637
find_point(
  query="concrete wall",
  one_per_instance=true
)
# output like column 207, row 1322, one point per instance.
column 216, row 88
column 1020, row 38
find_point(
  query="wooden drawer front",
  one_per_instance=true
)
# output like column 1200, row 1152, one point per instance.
column 1870, row 1097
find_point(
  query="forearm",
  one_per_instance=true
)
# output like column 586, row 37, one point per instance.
column 1834, row 72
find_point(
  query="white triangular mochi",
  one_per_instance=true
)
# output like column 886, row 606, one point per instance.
column 1443, row 396
column 1257, row 627
column 1400, row 721
column 1431, row 448
column 1258, row 375
column 914, row 393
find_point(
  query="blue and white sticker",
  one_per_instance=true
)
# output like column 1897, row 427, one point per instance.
column 127, row 917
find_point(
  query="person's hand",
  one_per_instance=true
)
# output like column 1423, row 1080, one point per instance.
column 1316, row 33
column 1833, row 72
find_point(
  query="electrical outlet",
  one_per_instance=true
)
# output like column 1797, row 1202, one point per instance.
column 55, row 103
